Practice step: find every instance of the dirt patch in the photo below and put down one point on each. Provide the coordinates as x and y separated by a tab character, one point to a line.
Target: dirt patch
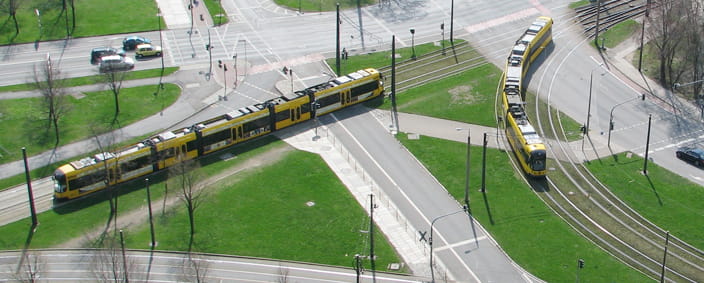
462	94
138	216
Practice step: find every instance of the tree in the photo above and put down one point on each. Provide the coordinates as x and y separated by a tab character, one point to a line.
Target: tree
186	176
666	34
53	104
194	268
29	268
109	264
106	145
114	81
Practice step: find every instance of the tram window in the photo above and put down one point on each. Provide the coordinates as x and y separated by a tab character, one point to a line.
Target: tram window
365	88
216	137
191	145
329	100
283	115
256	124
305	108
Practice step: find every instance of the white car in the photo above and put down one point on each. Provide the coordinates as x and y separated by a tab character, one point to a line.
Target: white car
114	63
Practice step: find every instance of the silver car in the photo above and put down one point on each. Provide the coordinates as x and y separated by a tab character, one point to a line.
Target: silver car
115	63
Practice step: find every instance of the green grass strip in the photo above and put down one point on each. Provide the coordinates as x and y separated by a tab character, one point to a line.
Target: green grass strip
666	199
529	232
24	126
96	79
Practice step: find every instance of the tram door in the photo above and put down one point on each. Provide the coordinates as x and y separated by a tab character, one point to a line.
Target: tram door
295	114
237	134
345	97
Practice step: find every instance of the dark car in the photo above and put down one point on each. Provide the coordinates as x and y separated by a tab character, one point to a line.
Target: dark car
691	154
100	52
131	42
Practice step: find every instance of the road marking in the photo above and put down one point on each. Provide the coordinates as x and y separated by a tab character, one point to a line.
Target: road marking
408	199
501	20
288	63
465	242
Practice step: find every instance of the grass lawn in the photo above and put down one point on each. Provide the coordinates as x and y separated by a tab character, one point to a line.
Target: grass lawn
618	33
383	58
320	5
94	17
465	97
668	200
531	234
24	123
217	13
96	79
267	212
239	217
76	218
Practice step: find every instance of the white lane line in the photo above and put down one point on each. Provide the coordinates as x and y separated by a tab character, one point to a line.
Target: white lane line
408	199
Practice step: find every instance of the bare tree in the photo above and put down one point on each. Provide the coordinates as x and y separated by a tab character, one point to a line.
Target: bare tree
283	274
29	268
105	139
49	82
194	268
665	33
109	264
114	80
186	178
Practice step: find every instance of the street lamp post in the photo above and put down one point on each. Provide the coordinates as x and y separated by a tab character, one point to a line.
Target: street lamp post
413	46
442	28
611	116
39	22
589	105
222	65
430	240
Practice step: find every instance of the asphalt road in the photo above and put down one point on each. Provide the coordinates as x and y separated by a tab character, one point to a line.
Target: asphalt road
85	265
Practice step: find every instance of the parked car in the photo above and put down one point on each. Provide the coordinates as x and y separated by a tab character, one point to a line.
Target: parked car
131	42
114	63
144	50
691	154
100	52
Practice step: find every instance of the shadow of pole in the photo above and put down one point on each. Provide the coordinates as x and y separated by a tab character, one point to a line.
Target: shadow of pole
652	187
488	208
27	242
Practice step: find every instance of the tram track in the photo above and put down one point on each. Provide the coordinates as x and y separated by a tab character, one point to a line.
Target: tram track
411	73
588	205
575	194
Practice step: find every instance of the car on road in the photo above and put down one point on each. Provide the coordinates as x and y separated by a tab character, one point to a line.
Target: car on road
115	63
99	52
131	42
691	154
144	50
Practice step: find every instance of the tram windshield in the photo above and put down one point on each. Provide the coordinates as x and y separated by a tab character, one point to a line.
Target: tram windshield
537	160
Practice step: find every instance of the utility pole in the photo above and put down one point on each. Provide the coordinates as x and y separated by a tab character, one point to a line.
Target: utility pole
484	164
664	257
394	122
647	146
596	31
124	256
151	219
337	42
466	179
371	237
32	210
